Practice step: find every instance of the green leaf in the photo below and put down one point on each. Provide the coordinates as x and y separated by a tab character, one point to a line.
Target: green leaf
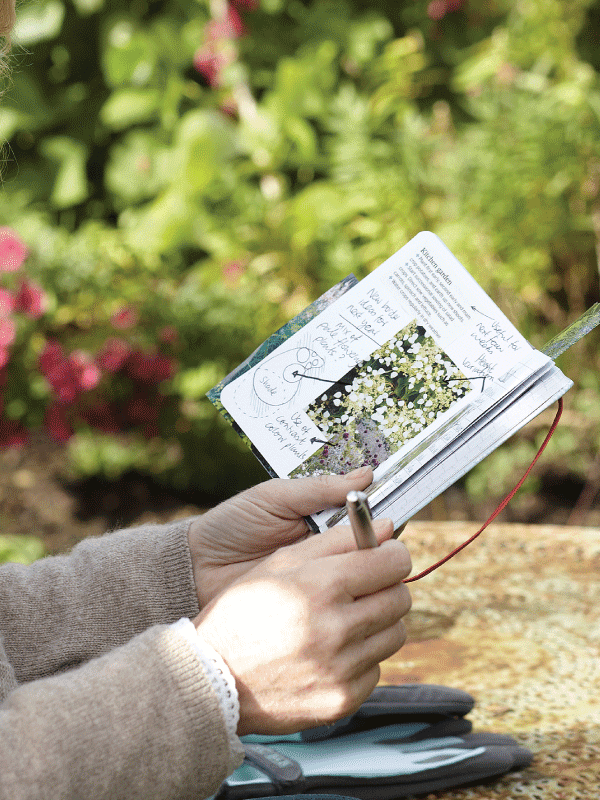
194	383
130	55
126	107
38	22
70	185
139	167
86	7
204	142
162	225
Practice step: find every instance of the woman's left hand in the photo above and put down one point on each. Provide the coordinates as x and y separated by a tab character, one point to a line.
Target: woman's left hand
234	536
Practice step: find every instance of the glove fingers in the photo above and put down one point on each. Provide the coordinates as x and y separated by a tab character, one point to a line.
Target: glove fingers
522	757
421	698
426	702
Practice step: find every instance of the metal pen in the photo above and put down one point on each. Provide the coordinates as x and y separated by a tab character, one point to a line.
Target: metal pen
359	514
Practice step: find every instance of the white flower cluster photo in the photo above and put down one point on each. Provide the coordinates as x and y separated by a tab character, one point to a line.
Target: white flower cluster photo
383	402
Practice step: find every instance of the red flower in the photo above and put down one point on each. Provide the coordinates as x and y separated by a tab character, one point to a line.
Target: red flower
57	424
30	299
52	355
4	356
114	354
59	372
102	415
164	368
125	318
13	251
150	367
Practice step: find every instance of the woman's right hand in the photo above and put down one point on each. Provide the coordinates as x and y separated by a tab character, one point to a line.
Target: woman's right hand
303	632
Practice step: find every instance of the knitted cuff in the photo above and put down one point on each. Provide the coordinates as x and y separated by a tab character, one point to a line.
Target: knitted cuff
219	675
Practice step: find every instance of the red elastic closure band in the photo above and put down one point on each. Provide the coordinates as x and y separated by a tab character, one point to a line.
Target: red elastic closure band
502	505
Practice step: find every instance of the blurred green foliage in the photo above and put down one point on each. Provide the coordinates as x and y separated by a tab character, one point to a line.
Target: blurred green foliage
20	549
216	180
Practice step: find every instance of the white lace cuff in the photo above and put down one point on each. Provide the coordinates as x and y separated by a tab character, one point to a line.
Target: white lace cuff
219	675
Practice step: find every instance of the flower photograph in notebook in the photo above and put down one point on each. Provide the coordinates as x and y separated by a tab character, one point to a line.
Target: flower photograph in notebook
383	402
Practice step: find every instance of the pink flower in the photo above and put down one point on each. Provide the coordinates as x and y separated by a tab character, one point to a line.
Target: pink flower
114	354
30	299
229	26
7	302
210	61
125	318
86	371
57	424
4	356
13	251
8	332
59	372
218	51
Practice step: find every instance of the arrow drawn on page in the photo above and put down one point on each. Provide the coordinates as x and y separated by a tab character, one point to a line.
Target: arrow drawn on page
481	312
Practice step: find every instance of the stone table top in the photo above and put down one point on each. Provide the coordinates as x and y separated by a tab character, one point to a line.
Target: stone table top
514	619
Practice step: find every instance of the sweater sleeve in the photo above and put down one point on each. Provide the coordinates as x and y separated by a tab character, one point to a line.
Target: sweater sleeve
65	610
141	721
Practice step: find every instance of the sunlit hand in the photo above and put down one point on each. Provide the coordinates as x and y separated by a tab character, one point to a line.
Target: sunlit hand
303	632
234	536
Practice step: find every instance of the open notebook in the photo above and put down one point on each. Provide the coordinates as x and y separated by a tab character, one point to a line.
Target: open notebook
413	370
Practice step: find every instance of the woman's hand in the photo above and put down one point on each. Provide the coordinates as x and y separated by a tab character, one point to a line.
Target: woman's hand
303	632
234	536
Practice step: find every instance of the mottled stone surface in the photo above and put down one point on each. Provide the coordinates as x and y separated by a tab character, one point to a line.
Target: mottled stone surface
515	620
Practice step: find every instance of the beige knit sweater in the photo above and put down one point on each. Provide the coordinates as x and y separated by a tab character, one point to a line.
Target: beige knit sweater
100	698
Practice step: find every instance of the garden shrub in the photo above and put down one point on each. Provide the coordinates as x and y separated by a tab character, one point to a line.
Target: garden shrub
183	176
